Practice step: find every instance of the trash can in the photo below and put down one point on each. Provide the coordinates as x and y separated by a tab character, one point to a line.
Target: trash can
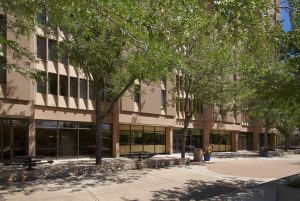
198	155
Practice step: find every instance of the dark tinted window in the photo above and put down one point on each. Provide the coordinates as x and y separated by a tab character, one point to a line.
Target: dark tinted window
2	26
63	55
52	53
83	88
73	87
2	71
63	88
41	83
41	48
52	83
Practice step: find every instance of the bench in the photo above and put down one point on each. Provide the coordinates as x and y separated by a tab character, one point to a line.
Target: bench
28	161
140	155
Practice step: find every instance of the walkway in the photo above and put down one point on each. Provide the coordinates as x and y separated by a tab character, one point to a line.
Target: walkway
195	182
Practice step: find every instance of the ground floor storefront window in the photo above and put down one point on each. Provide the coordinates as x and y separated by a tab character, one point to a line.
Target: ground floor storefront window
221	140
71	139
261	139
13	138
245	141
194	139
142	138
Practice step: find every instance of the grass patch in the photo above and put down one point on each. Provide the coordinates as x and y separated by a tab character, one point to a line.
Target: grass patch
295	184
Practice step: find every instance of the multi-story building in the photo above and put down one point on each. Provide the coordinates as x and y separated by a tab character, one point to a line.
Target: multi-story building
56	117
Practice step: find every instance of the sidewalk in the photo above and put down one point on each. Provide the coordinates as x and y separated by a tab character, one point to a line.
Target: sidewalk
200	181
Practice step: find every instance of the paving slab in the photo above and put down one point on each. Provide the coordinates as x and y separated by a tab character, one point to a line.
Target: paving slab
195	182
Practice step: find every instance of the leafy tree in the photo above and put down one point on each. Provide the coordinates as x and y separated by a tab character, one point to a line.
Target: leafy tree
113	42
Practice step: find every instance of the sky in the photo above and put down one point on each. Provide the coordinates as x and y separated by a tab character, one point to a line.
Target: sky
285	17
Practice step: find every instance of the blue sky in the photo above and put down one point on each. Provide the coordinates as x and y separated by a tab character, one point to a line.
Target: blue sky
286	24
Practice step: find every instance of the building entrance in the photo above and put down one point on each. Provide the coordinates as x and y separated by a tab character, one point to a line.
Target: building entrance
194	139
13	138
245	141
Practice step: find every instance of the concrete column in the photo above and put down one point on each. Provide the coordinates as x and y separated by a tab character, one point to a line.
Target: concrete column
31	137
234	140
206	136
255	141
273	141
169	140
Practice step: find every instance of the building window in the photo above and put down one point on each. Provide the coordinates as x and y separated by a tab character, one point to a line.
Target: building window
2	33
73	87
52	83
41	17
41	83
2	71
163	98
124	137
91	90
199	107
83	88
63	58
41	48
52	53
63	87
136	93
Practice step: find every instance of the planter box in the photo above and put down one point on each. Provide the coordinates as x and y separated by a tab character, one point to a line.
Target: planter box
206	157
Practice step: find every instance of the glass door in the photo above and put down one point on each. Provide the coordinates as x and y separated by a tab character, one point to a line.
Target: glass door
13	138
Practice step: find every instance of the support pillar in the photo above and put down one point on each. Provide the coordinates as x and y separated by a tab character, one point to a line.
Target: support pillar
31	137
255	141
169	140
234	140
206	136
273	141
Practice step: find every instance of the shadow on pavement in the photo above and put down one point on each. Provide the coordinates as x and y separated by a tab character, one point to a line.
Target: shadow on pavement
73	183
235	155
201	190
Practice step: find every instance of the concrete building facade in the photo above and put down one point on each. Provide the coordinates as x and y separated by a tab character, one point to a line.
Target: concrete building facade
56	117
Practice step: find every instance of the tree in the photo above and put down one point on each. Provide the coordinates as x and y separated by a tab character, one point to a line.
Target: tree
257	35
203	60
113	42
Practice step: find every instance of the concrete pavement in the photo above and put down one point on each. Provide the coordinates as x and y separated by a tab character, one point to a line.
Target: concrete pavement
195	182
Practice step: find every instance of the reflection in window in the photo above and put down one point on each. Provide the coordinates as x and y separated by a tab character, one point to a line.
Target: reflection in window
2	34
41	17
83	88
46	141
124	137
136	137
74	87
52	53
160	138
63	88
148	138
41	48
87	143
41	83
52	83
2	71
68	143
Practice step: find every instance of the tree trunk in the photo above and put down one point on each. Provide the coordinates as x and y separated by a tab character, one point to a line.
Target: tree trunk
286	147
98	127
266	136
186	123
183	137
